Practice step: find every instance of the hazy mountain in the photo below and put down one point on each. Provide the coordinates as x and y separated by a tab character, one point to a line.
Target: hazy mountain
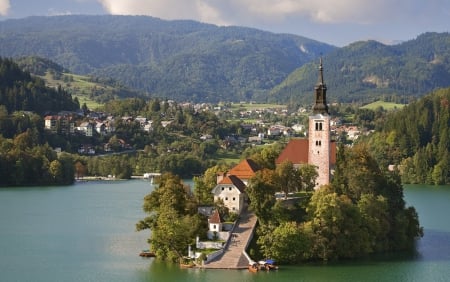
187	60
368	70
183	60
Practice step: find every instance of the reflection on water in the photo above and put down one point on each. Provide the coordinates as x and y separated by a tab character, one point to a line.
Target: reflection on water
435	246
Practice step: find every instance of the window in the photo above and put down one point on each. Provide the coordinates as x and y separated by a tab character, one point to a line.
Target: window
229	188
226	198
223	188
214	227
234	199
319	126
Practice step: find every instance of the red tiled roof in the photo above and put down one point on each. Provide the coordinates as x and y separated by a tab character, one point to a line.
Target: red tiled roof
297	151
215	217
236	181
245	169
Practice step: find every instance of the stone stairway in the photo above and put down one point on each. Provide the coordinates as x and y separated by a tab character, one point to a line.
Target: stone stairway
233	257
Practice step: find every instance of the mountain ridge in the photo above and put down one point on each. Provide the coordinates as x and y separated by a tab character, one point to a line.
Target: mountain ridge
185	60
366	71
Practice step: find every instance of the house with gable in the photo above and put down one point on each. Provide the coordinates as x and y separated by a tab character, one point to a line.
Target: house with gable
231	190
215	223
231	185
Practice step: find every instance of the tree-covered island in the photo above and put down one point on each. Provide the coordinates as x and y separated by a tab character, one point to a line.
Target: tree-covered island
362	212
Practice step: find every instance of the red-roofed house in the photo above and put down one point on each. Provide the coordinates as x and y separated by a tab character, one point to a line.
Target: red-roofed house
215	222
231	191
245	170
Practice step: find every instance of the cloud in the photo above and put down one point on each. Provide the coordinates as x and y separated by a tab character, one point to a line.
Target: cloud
168	9
4	7
55	12
238	11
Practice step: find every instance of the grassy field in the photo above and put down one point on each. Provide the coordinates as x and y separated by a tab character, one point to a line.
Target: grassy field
227	157
254	106
386	105
79	86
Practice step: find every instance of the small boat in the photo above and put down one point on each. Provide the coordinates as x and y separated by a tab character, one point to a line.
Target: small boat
187	265
268	264
253	267
147	254
186	262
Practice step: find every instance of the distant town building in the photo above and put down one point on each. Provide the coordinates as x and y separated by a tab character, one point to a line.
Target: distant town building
63	124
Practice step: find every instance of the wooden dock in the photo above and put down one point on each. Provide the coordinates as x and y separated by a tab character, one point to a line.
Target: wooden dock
233	256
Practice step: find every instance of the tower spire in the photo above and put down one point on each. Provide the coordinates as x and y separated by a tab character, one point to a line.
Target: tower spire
320	72
320	104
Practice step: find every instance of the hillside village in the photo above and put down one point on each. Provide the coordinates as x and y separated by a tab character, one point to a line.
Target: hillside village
93	123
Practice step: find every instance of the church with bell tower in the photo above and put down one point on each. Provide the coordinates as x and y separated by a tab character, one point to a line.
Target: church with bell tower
318	150
319	132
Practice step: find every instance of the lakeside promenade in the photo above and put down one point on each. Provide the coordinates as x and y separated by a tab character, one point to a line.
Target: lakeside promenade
233	256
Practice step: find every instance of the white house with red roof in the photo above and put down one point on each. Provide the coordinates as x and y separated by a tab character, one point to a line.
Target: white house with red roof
231	190
215	222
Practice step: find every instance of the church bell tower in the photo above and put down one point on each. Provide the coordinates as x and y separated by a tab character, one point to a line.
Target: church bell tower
319	135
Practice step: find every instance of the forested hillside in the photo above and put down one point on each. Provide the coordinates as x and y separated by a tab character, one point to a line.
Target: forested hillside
368	70
25	156
85	88
182	60
418	139
19	91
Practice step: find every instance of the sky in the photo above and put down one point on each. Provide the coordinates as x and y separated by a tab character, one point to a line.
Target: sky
337	22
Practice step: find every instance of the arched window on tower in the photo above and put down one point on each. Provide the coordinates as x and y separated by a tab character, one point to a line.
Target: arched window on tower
319	126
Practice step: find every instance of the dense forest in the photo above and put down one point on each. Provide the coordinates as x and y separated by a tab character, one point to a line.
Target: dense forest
24	162
181	60
22	92
417	138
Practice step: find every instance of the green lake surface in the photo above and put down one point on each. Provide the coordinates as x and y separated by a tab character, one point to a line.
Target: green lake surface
86	232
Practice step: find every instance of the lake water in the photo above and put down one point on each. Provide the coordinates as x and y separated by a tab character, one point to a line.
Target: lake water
85	232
